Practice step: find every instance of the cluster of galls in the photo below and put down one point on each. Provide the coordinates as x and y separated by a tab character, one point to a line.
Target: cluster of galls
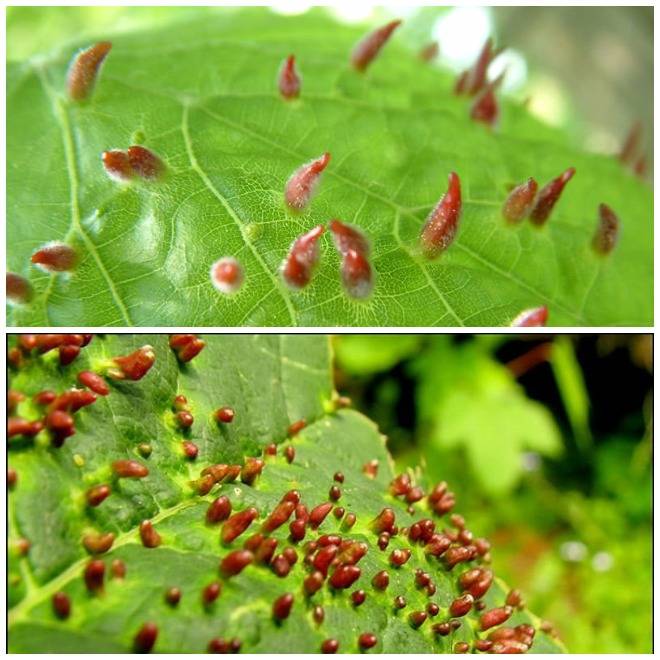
330	560
57	417
222	472
56	411
303	257
474	82
67	346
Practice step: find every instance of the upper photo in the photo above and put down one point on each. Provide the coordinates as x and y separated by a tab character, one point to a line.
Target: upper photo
329	166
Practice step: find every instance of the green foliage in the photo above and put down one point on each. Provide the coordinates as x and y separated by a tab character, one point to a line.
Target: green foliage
367	354
198	88
472	402
270	382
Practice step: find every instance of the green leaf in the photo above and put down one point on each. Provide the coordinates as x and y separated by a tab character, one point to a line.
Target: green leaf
270	381
471	402
366	354
199	90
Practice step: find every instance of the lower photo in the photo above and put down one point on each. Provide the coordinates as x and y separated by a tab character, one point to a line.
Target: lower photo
313	493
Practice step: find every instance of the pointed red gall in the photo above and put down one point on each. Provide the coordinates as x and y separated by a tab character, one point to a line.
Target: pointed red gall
442	223
224	415
640	166
297	529
366	50
84	68
280	514
370	468
94	382
145	638
475	77
531	318
461	83
251	470
211	593
186	347
330	646
344	576
631	144
55	257
265	551
282	606
461	605
367	640
357	275
218	510
184	419
429	52
520	201
237	524
301	185
133	366
129	469
485	108
96	494
495	617
289	453
117	165
97	544
18	289
61	426
149	536
18	426
68	353
548	197
318	514
288	80
94	574
235	562
607	232
61	605
296	427
145	163
347	237
303	256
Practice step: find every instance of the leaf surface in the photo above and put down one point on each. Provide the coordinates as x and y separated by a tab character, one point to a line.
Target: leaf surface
271	382
200	92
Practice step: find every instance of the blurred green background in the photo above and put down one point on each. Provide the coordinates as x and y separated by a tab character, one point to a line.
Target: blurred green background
587	69
546	441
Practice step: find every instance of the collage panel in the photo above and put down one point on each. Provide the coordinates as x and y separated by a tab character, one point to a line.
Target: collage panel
309	493
234	166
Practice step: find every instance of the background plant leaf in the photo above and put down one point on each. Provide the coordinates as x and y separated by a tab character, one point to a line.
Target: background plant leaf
199	89
474	404
270	381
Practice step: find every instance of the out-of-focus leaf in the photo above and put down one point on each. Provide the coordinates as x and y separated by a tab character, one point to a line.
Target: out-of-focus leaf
366	354
473	403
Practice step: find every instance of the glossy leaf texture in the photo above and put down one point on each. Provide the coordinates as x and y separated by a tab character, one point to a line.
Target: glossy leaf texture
271	382
201	93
